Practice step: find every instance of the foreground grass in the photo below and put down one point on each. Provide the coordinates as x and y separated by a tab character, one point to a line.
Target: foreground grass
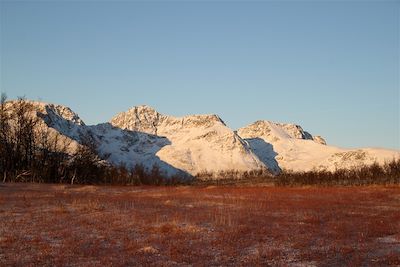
58	225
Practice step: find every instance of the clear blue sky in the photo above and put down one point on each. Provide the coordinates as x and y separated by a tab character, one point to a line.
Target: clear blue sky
332	67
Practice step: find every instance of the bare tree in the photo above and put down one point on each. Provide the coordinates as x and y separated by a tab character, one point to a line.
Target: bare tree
5	136
24	121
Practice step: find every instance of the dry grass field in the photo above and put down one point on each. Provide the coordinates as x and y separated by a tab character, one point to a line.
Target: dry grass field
61	225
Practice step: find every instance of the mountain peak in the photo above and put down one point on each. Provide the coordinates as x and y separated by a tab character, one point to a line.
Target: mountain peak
146	119
279	131
140	118
53	112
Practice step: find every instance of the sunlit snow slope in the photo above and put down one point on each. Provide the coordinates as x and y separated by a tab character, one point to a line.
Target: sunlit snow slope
198	143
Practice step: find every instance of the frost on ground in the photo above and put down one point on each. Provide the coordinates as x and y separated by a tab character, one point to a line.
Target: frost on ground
58	225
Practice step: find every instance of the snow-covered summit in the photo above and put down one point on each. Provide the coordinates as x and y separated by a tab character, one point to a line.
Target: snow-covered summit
279	131
52	111
140	118
146	119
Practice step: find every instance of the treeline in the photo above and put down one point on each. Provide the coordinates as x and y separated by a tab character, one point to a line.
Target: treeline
32	152
375	174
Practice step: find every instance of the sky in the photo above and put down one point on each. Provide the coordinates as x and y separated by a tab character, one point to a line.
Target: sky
330	66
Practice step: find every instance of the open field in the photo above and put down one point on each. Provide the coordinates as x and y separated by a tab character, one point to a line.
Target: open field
61	225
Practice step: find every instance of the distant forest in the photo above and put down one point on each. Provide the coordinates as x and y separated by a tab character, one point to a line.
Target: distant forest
30	153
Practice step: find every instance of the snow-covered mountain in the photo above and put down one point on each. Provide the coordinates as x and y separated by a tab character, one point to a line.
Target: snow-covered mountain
185	146
295	149
196	144
115	145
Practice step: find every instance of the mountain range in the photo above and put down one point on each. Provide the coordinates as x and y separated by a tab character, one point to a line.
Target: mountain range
198	144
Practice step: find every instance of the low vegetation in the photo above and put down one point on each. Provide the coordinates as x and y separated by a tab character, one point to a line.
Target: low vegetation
73	225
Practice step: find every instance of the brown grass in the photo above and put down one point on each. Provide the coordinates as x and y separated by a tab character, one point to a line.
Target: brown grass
58	225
